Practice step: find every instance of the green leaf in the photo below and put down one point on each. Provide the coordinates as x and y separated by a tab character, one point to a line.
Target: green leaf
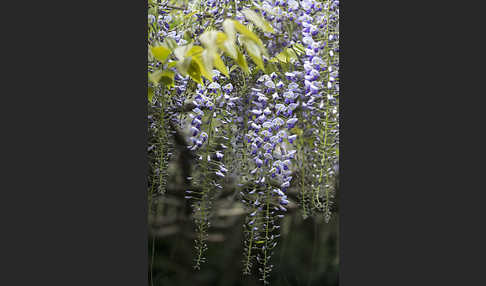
211	39
291	55
259	21
204	59
194	51
188	36
244	31
221	38
227	42
230	49
195	72
171	64
150	94
205	62
282	57
162	76
272	68
299	49
168	78
181	51
219	64
229	29
241	61
288	55
155	76
190	65
161	53
183	65
254	52
176	21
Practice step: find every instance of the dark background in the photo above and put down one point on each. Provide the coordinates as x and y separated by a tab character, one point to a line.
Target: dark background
307	255
73	109
307	251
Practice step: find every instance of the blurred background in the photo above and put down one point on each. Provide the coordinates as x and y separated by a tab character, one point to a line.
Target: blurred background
306	254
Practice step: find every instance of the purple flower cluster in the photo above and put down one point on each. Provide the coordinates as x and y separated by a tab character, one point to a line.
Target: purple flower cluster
269	133
255	128
210	101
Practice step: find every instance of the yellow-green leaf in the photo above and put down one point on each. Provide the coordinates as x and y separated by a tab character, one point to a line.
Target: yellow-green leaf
155	76
221	38
162	76
229	29
183	65
219	64
161	53
241	61
244	31
299	48
282	57
271	68
167	78
150	94
194	51
194	72
259	21
204	59
171	64
212	39
291	55
188	36
181	51
229	47
254	52
205	62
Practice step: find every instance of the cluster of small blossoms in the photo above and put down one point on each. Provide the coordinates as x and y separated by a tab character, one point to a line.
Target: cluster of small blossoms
273	118
313	63
209	13
313	86
213	105
216	8
321	68
260	122
271	149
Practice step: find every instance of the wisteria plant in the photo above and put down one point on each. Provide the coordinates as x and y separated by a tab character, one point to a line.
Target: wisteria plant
251	90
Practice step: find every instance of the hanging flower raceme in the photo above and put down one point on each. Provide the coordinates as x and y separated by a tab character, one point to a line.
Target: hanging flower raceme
272	152
209	139
319	103
266	132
